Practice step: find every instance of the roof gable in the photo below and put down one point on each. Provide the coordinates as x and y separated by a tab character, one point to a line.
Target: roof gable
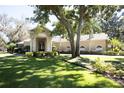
40	29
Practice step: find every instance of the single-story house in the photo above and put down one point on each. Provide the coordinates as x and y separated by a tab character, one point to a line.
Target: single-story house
43	41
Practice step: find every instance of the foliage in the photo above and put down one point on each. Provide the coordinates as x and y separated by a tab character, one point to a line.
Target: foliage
59	30
16	30
91	26
120	73
10	47
54	48
114	26
110	52
43	54
2	42
29	54
38	29
5	23
20	31
121	53
116	45
72	18
103	67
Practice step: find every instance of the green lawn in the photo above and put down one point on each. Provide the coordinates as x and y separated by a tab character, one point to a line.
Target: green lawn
18	71
117	61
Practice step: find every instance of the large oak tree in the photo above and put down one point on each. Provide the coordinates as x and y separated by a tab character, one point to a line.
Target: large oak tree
73	19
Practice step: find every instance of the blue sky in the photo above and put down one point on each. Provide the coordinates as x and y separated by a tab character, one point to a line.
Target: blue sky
24	11
17	11
21	12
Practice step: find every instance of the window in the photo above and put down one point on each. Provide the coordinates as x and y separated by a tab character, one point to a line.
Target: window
99	48
82	48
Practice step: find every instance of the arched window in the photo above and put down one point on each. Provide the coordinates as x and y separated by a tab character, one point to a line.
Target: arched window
82	48
99	48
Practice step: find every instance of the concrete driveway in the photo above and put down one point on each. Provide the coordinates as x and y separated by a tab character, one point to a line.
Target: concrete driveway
95	56
5	55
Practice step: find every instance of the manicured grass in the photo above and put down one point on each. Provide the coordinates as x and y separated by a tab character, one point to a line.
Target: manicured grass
18	71
117	61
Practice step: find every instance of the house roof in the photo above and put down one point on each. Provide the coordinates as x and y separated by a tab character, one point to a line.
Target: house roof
98	36
22	42
58	39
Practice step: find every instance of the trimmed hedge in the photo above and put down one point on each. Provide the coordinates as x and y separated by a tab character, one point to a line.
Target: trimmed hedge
41	54
29	54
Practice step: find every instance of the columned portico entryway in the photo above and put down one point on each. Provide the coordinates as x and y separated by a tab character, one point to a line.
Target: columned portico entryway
41	41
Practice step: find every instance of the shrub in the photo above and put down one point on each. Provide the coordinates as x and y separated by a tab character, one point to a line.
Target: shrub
10	47
41	54
55	53
103	67
111	53
51	54
120	73
54	48
29	54
115	43
45	54
121	53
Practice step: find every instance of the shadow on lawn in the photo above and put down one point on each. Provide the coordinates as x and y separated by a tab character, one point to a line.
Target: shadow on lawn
17	71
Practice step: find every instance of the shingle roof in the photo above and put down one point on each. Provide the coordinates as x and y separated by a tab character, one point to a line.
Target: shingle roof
99	36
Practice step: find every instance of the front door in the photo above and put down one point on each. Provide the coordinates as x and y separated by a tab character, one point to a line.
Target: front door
41	44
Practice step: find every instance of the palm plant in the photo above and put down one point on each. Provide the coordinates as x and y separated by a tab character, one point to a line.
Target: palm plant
91	26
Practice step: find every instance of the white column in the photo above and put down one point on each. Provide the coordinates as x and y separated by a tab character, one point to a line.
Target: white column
31	45
49	44
34	44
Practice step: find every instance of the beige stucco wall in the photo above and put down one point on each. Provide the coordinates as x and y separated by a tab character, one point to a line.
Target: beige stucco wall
62	46
90	45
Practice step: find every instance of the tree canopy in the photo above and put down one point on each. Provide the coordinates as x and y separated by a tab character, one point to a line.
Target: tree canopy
73	19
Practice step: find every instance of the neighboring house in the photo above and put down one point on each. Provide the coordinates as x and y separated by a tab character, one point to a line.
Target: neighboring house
43	41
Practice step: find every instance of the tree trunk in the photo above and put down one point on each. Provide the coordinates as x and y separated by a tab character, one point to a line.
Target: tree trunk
72	43
80	25
70	32
81	22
